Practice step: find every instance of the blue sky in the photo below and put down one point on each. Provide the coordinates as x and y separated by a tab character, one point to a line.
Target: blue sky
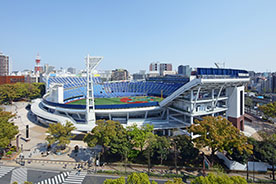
132	34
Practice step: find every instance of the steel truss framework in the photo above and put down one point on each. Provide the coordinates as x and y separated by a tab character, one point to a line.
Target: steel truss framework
91	63
216	101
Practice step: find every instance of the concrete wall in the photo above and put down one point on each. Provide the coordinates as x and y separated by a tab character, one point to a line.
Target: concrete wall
234	113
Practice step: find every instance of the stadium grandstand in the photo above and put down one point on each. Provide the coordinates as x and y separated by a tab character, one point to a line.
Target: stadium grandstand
168	103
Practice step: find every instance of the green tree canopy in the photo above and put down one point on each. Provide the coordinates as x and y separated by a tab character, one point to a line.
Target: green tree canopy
219	179
7	93
219	134
151	141
265	150
162	147
109	134
139	135
175	181
186	148
18	91
269	109
60	134
120	180
8	130
138	178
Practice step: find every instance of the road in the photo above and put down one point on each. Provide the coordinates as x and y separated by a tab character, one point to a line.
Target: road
11	174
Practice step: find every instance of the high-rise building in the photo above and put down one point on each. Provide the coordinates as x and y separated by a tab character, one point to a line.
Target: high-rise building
105	75
48	68
274	83
184	70
4	64
72	70
157	67
119	74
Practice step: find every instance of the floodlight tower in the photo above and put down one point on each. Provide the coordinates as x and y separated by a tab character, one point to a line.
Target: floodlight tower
91	63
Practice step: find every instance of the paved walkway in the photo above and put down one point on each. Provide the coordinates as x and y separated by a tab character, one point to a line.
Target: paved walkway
37	134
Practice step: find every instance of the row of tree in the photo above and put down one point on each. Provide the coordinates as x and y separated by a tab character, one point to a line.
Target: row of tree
142	178
8	130
132	142
216	133
19	91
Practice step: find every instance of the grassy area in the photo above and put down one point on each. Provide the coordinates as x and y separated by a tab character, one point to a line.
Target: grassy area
111	101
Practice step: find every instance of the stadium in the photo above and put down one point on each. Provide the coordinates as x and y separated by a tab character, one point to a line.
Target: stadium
168	103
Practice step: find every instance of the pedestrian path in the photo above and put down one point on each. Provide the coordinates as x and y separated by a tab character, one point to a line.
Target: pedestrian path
75	177
55	180
5	170
19	175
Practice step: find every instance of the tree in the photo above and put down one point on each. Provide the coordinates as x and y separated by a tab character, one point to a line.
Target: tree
60	134
18	91
138	178
185	147
175	181
162	148
41	87
269	109
149	151
120	180
219	135
7	93
110	135
219	179
139	135
266	150
8	130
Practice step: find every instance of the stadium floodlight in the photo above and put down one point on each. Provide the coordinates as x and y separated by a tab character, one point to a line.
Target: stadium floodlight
91	64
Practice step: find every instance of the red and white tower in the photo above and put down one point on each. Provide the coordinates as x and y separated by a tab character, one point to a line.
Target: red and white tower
38	67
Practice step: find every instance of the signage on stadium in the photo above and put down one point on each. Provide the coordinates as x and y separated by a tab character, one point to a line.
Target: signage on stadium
243	74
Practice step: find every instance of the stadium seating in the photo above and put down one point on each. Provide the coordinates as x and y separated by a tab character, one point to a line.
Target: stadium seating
75	87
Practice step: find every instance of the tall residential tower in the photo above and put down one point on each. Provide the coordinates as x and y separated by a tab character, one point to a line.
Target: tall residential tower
4	64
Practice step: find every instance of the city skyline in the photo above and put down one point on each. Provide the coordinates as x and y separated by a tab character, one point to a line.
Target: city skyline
131	35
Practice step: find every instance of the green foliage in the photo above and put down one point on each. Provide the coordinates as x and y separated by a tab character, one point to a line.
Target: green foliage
111	135
41	87
139	135
61	134
138	178
151	141
266	150
248	102
18	91
162	147
103	133
8	130
185	147
219	179
220	135
175	181
120	180
269	109
7	93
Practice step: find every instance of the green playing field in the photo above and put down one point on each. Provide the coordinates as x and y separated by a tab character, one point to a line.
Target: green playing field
117	100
